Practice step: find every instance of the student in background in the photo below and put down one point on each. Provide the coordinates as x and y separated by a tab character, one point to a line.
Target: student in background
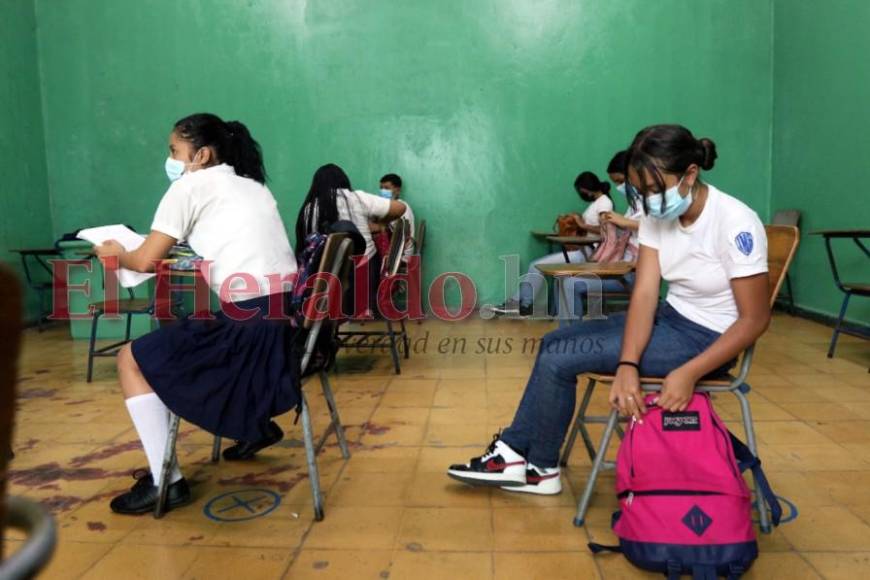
331	198
712	250
391	188
591	190
630	221
227	376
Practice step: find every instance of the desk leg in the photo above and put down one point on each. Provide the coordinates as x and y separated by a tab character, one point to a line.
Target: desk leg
562	292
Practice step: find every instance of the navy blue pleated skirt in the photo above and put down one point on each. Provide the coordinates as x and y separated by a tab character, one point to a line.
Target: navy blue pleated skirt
227	376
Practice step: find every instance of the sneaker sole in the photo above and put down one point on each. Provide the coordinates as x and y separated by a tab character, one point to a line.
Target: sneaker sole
533	489
485	480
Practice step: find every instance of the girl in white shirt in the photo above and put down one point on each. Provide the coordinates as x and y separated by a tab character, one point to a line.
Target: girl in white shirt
591	190
331	198
710	248
225	374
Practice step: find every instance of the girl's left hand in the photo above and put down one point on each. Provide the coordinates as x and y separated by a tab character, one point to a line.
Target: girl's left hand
677	390
110	248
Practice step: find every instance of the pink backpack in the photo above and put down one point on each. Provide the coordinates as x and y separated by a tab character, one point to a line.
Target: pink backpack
613	243
685	508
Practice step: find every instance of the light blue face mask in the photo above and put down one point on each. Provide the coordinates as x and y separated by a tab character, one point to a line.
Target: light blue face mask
621	188
386	193
670	206
174	169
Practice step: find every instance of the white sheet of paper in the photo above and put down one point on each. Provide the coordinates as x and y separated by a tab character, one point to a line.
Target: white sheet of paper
127	238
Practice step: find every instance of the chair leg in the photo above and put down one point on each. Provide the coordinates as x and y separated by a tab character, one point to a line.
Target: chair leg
129	325
92	343
405	340
311	457
168	462
575	427
583	505
839	324
333	412
749	429
394	351
216	449
790	294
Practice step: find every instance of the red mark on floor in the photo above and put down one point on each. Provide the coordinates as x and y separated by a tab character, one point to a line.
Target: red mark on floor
97	526
265	479
82	402
374	429
37	393
105	452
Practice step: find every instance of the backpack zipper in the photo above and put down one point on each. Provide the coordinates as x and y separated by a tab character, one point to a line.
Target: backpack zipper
629	495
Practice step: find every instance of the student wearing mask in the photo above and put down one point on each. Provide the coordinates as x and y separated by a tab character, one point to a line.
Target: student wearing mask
596	194
712	250
629	221
391	188
331	198
227	376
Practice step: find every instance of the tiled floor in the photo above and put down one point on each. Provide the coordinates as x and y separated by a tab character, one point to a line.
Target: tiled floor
391	512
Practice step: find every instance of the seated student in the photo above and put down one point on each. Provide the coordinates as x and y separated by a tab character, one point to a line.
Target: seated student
712	250
227	376
591	190
630	221
391	188
331	198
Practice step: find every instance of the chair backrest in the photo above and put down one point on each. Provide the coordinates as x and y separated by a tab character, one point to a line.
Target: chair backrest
10	330
397	247
787	217
421	237
335	260
782	241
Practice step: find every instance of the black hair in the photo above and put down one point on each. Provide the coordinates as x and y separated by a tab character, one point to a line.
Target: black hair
617	164
590	182
320	209
231	140
392	178
668	148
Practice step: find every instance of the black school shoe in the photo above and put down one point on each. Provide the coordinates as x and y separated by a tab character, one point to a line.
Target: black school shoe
243	450
500	466
142	497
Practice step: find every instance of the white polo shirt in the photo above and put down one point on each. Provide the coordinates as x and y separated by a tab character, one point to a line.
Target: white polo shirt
361	208
590	214
727	241
233	222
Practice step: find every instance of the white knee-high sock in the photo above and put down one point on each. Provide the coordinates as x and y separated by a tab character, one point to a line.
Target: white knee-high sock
151	418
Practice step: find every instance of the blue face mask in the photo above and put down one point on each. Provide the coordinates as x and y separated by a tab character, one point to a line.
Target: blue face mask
621	188
174	169
386	193
669	206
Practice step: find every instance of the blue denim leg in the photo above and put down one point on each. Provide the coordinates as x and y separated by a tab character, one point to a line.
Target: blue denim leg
547	407
581	290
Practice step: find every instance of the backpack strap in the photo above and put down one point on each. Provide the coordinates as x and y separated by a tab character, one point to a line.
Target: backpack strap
675	570
598	548
704	572
747	460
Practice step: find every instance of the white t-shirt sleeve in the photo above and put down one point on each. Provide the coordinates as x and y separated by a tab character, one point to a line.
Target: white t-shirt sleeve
590	215
374	206
648	233
744	246
174	215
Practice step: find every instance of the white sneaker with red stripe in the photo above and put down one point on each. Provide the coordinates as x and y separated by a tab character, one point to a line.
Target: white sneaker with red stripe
500	466
540	480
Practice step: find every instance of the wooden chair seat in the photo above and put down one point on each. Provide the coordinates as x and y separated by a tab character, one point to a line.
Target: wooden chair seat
724	382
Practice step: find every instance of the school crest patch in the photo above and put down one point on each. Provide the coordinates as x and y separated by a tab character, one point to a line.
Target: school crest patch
744	243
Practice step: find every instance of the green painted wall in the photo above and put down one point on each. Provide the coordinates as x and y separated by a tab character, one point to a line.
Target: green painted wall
821	139
488	108
25	217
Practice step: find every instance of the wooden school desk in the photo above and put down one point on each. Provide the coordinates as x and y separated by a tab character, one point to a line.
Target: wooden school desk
560	273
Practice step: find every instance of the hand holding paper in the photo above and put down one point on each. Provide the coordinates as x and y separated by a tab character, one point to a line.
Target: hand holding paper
128	239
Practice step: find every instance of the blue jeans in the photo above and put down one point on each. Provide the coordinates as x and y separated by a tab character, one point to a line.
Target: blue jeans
547	406
581	289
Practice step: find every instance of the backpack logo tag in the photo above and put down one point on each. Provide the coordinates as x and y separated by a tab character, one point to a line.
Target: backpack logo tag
697	521
685	421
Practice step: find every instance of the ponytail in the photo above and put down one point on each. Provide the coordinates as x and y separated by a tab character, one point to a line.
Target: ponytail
231	141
